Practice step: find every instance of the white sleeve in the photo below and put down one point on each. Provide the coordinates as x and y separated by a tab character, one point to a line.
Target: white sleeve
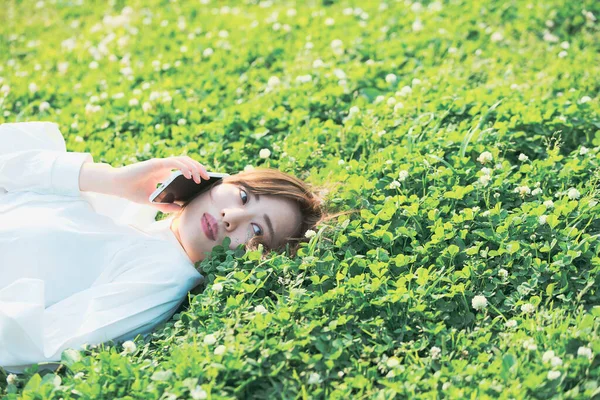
137	300
33	158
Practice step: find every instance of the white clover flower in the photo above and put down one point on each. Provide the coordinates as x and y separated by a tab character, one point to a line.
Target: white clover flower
527	308
476	209
390	78
402	175
318	63
248	168
549	204
565	45
398	106
133	102
353	110
11	379
592	203
536	191
273	82
583	150
336	44
484	180
585	352
485	157
522	190
310	233
573	194
486	171
435	352
198	393
44	105
181	121
391	101
486	213
479	302
381	132
217	287
523	157
556	361
147	106
416	7
394	185
210	339
314	378
33	87
446	385
78	375
552	375
369	62
585	99
93	65
405	91
562	54
502	273
417	26
291	12
511	323
547	356
264	153
220	350
416	81
392	362
339	73
497	37
79	139
542	219
207	52
329	21
529	345
260	309
549	37
379	99
389	162
129	346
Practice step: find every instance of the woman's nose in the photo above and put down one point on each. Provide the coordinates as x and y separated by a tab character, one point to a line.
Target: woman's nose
232	218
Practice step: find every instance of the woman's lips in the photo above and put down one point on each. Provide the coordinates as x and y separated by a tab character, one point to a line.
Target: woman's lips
209	226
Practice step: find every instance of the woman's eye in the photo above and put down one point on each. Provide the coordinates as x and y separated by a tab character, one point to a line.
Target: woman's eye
244	197
260	232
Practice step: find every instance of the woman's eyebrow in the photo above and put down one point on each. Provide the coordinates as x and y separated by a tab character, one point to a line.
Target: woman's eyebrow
267	220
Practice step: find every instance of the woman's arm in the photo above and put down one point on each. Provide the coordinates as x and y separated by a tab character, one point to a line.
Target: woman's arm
98	177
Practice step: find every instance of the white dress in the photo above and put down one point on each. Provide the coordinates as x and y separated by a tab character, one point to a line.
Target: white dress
76	267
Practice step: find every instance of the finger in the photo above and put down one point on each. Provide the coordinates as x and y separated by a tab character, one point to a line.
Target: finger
200	167
192	165
168	208
173	162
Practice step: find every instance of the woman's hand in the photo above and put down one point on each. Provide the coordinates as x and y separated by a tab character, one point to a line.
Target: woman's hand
138	181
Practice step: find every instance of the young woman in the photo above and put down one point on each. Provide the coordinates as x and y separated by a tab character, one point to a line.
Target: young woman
82	259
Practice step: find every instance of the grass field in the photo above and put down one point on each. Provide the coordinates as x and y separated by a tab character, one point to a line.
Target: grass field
466	132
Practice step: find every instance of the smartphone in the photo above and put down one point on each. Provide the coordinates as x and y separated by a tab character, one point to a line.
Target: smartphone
178	188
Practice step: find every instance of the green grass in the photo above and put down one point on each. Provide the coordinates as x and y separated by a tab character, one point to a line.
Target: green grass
380	303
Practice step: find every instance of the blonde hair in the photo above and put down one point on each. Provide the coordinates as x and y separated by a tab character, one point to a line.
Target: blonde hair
268	181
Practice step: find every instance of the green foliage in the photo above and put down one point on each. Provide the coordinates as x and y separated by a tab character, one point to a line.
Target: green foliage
382	304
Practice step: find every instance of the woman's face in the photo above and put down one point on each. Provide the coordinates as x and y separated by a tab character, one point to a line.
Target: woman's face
233	211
